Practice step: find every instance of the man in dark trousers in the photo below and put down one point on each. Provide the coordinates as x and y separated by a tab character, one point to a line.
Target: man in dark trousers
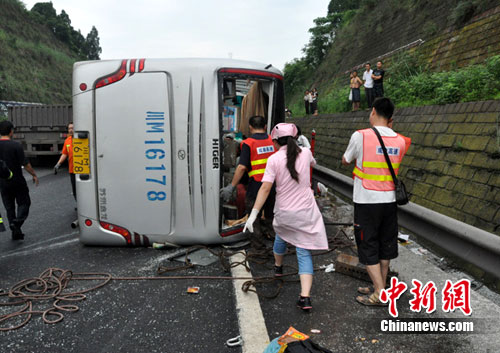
375	208
255	151
378	80
15	190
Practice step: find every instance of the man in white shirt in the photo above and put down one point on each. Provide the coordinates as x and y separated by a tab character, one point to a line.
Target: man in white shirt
375	208
368	83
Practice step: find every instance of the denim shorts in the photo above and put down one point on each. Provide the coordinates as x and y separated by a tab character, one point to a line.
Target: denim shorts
304	257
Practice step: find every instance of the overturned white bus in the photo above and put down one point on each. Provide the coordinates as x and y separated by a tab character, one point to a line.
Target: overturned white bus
148	146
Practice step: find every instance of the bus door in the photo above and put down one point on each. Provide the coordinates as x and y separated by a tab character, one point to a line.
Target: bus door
133	153
235	85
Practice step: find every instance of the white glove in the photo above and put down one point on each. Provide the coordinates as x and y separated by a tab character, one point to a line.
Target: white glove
227	192
56	168
250	220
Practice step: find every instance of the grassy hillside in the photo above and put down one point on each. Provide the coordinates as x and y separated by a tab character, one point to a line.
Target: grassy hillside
34	65
454	37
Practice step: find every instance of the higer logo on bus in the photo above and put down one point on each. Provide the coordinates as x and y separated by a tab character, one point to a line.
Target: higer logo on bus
215	153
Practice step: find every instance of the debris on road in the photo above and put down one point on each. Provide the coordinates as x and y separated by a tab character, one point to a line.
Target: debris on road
329	268
235	341
403	237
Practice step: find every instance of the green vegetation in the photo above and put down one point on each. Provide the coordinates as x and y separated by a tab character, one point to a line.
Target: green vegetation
38	49
60	25
340	12
409	84
472	83
356	31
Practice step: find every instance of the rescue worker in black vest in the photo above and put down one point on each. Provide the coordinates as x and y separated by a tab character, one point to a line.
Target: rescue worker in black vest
255	151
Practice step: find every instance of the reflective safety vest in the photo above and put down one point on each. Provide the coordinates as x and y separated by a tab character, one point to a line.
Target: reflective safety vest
375	172
260	151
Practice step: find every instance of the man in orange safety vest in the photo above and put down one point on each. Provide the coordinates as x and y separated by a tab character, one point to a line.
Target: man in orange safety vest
375	208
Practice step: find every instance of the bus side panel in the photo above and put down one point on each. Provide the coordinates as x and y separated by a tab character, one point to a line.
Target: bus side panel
196	159
134	150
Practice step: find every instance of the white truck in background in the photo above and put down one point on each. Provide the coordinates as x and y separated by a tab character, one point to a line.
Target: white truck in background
41	129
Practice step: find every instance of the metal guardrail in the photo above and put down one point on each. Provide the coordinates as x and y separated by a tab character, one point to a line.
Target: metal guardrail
469	243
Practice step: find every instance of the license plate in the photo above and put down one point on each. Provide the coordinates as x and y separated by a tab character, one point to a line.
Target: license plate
81	159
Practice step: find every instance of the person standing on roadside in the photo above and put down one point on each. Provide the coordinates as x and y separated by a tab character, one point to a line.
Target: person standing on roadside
314	103
67	153
356	94
374	197
378	80
368	83
307	98
297	219
15	190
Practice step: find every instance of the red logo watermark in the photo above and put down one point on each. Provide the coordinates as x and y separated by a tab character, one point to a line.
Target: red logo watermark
454	296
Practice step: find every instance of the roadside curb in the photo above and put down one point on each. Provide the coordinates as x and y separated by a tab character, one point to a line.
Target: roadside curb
253	328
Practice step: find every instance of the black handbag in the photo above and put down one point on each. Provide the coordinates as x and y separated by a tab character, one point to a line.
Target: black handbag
401	193
305	346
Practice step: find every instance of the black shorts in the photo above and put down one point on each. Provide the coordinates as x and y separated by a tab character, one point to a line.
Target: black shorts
376	232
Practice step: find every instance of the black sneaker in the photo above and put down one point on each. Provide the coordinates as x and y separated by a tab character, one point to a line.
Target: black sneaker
304	303
17	235
278	271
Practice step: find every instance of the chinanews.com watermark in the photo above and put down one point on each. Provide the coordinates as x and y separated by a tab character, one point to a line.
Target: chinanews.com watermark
455	297
427	326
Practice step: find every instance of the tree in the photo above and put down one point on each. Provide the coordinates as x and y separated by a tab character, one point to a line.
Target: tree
92	45
47	13
340	6
63	28
321	38
322	35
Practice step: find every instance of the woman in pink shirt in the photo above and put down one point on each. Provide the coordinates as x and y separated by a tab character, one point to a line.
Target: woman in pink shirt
297	219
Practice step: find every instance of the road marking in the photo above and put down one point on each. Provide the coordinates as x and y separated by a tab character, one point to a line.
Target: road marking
253	328
38	249
51	240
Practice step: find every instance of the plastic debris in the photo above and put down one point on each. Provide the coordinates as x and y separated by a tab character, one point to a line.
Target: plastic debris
419	251
193	290
403	237
235	341
374	341
313	330
330	268
362	339
159	245
321	189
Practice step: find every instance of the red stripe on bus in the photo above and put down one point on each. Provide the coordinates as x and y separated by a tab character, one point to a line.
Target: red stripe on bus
141	64
231	232
132	66
113	77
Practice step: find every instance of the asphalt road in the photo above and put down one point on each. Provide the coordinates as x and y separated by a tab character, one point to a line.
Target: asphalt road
160	316
122	316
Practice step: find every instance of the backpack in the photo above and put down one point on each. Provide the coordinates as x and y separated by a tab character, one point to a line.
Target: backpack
305	346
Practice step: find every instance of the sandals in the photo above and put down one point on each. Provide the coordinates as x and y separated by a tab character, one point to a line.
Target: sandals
366	290
370	300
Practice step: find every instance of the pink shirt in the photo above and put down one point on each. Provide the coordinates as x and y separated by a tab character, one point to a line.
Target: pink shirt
297	219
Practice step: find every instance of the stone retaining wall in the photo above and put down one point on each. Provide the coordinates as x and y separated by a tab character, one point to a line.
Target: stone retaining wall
452	166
